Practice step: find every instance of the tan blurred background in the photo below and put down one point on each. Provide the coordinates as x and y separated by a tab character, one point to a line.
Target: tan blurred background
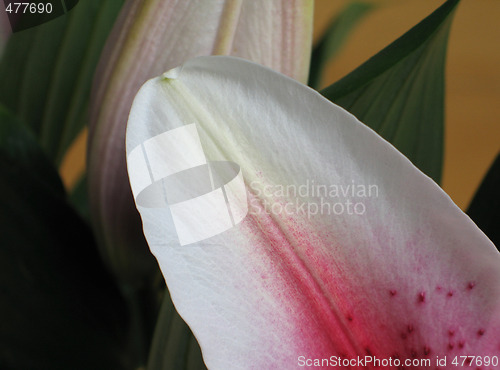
473	81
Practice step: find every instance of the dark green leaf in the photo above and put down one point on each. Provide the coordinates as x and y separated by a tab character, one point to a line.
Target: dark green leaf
59	307
18	141
485	207
174	346
400	91
79	198
144	303
46	72
334	38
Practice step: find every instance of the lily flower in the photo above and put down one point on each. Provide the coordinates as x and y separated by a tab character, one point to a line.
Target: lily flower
291	235
153	36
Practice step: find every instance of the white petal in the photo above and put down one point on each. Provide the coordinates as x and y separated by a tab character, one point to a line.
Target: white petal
401	272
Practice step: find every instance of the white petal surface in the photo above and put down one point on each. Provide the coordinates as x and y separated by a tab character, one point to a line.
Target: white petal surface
347	249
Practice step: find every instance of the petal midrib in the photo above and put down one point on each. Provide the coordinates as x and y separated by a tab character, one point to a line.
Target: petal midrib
285	247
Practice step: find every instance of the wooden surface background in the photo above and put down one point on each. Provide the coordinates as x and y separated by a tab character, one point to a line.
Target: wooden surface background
472	85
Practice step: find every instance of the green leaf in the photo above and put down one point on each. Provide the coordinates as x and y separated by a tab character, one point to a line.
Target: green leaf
400	91
18	141
485	207
59	307
79	198
47	72
174	347
334	38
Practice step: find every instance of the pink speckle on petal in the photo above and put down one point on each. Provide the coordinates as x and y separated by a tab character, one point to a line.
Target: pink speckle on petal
421	297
